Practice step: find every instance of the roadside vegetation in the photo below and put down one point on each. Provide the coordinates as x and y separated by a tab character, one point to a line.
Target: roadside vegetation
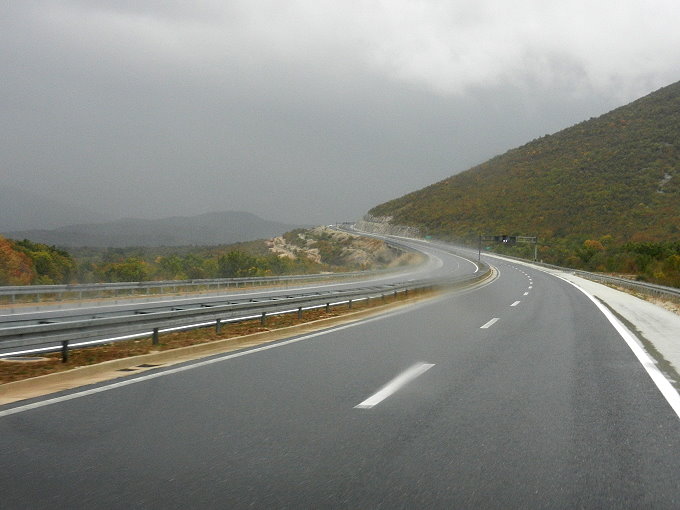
654	262
602	195
26	263
296	252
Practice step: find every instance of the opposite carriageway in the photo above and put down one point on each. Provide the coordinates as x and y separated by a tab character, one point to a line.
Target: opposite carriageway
58	329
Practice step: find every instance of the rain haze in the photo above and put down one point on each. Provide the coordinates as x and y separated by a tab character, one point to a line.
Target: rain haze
302	111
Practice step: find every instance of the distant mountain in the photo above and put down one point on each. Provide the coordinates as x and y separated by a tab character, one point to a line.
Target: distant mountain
615	177
205	229
24	210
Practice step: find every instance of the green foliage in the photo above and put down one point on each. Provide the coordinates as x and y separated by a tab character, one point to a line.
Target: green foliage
16	268
656	262
618	174
236	264
615	177
50	264
132	269
296	237
24	262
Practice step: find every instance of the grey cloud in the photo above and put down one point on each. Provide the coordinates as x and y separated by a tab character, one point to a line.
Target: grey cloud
309	112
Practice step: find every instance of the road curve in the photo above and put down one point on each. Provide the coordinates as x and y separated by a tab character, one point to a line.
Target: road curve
517	394
439	262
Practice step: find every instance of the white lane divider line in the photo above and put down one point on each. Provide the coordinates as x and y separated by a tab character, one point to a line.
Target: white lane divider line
526	293
529	287
490	323
199	364
515	303
395	384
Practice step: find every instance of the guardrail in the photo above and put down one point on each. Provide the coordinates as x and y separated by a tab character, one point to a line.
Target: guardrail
55	336
9	294
651	289
79	291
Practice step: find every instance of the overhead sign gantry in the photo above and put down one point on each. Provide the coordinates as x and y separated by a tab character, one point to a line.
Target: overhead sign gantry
508	241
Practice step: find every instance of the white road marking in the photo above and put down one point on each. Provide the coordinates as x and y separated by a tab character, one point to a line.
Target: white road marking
526	293
210	361
490	323
515	303
663	384
529	287
395	384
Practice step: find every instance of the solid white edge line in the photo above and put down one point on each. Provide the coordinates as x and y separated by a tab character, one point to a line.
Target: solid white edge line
515	303
394	385
490	323
664	385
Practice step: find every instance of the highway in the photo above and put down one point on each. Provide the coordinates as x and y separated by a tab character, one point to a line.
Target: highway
432	267
516	394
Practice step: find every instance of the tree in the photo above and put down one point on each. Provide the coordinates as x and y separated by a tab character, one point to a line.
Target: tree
132	269
51	264
16	268
236	264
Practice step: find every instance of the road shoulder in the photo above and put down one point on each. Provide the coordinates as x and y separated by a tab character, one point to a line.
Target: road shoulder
657	329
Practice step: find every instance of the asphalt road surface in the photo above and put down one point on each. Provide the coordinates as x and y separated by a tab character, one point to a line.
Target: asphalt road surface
518	394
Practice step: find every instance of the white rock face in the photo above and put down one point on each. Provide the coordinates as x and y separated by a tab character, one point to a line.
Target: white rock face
340	249
382	225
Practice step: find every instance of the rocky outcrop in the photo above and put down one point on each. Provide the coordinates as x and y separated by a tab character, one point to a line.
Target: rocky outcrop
382	225
339	249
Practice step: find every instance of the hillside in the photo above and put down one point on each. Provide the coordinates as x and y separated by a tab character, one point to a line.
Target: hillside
205	229
615	177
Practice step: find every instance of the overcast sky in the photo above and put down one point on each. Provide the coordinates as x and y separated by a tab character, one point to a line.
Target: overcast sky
302	110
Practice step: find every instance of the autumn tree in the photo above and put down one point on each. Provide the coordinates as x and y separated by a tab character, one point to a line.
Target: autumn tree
16	268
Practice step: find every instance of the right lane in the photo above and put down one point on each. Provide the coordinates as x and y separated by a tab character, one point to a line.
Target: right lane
547	407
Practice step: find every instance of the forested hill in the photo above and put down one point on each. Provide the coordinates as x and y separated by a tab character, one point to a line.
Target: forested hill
615	177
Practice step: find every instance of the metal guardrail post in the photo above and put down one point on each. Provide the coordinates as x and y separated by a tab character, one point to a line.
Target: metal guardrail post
218	326
64	351
299	313
140	322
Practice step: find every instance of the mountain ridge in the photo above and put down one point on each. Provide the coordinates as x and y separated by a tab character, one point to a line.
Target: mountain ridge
220	227
616	176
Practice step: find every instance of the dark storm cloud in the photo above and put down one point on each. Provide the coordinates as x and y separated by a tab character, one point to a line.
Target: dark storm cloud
302	111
